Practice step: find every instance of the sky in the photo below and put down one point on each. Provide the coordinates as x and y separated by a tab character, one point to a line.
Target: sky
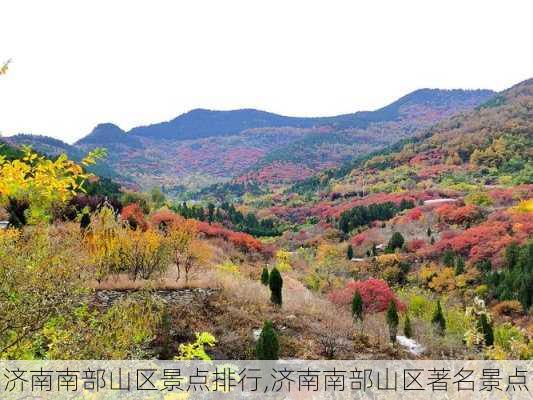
76	64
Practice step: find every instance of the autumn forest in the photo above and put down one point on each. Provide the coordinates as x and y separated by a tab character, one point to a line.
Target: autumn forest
400	233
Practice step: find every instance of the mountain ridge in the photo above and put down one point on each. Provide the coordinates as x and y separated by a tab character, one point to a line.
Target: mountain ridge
204	146
222	122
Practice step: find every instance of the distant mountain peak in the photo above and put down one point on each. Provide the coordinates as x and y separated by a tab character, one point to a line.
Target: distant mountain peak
108	134
108	128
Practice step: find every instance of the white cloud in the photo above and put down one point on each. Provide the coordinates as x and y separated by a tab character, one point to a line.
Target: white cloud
76	64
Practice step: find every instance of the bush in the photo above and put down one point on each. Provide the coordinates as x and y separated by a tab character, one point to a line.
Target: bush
133	215
196	350
123	331
267	347
42	270
511	308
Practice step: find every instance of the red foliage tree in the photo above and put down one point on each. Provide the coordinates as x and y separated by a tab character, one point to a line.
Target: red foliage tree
415	214
451	214
376	295
358	239
133	214
165	218
415	245
487	240
239	239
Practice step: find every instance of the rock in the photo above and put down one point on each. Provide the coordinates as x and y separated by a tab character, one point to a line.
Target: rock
106	298
256	333
411	345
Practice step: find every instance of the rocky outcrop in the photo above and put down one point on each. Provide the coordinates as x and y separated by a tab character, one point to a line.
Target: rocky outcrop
105	297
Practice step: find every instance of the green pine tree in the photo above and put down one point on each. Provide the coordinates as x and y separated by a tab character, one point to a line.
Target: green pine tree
85	221
512	253
407	328
396	241
357	307
459	265
276	284
349	252
429	233
448	258
392	320
438	320
265	276
486	330
267	347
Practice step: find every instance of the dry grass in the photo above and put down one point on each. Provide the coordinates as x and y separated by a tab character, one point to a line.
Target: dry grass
205	278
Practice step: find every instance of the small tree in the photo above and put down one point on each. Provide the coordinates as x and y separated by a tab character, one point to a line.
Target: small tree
511	255
392	320
429	233
485	328
448	258
276	284
267	347
265	276
438	320
459	265
349	252
396	241
85	221
407	328
357	307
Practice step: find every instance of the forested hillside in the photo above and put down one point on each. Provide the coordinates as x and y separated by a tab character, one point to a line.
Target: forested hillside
203	147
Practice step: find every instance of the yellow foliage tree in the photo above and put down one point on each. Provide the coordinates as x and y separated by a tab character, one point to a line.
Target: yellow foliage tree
180	235
4	68
525	206
103	243
444	280
115	247
283	260
42	182
143	253
330	258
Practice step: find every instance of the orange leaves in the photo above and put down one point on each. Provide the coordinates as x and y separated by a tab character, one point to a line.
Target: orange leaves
239	239
133	214
164	219
487	240
451	214
415	214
